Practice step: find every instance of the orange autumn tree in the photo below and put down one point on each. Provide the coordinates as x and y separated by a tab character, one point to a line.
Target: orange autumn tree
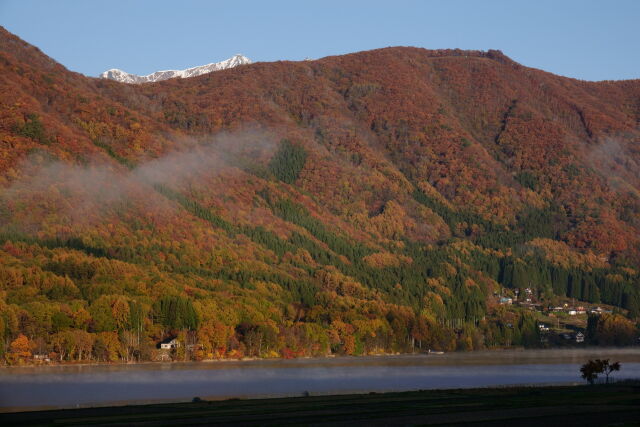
19	349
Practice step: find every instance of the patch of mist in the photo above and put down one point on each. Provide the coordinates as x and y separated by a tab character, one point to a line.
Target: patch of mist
56	195
616	165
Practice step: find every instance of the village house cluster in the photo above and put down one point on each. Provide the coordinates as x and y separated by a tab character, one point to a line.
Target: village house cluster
527	299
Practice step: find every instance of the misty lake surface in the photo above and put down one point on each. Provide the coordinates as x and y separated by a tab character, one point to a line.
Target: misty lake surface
42	387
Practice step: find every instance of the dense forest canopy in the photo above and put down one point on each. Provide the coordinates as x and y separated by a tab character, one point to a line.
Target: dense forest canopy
394	200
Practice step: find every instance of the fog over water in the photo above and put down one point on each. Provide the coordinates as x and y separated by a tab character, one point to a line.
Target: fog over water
93	385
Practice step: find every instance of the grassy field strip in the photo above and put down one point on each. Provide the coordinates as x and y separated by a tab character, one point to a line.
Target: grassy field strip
588	405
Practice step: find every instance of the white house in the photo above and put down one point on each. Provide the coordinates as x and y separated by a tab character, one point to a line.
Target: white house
579	337
169	345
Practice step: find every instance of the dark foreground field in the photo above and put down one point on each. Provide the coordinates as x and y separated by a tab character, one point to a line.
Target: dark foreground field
599	405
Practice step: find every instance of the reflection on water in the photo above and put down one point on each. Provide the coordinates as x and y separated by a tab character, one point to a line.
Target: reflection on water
70	386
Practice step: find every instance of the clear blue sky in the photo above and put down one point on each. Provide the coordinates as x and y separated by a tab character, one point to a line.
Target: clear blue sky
592	40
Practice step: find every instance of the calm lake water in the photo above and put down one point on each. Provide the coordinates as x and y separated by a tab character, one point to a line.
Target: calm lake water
73	386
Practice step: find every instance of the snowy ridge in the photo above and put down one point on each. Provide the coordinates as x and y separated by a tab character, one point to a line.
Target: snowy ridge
124	77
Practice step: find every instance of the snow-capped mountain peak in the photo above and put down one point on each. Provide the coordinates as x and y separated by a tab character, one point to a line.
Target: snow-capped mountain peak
124	77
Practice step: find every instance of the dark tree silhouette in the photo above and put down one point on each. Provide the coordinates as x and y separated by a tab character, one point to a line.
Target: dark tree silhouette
609	368
592	368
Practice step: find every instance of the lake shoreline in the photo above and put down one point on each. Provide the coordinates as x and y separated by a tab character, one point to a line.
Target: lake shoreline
517	350
69	386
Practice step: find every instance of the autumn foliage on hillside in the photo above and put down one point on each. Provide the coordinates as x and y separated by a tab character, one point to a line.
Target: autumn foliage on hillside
356	204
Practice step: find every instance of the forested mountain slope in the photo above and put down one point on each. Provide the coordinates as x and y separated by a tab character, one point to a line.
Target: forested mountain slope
369	202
